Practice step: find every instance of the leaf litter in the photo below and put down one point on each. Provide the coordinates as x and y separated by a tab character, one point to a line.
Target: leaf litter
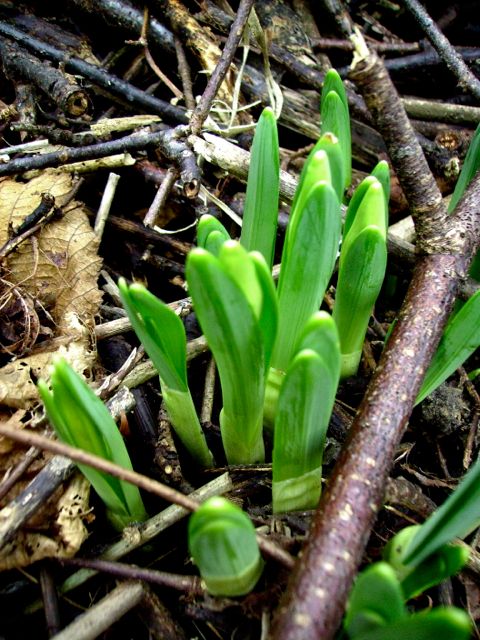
49	294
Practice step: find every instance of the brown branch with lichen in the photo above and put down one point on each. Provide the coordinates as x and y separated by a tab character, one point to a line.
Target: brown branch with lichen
314	603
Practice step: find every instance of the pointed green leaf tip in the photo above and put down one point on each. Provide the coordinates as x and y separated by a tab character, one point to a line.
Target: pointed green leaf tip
211	234
223	544
160	331
81	420
335	118
260	214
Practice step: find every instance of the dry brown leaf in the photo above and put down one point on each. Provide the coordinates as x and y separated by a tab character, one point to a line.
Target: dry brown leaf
55	274
59	269
64	536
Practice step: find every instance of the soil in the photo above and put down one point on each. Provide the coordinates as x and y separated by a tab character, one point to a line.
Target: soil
305	39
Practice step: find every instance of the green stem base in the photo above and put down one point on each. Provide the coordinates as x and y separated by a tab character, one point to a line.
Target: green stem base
297	494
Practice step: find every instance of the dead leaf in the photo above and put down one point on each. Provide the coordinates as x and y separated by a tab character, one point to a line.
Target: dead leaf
49	285
60	267
62	539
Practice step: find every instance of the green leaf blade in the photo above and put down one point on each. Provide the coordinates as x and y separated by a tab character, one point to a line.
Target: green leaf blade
160	331
460	339
376	591
82	420
231	328
302	282
304	407
360	279
470	167
441	623
260	215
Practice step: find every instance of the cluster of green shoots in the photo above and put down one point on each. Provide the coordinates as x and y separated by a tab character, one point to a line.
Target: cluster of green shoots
279	357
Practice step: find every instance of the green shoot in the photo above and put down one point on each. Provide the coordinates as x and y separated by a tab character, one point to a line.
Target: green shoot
260	214
303	413
81	420
336	118
223	544
308	260
376	600
458	516
459	340
470	167
381	172
376	611
235	302
211	234
162	334
363	260
440	623
415	578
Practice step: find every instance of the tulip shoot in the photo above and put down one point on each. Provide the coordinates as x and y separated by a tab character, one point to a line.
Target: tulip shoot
304	407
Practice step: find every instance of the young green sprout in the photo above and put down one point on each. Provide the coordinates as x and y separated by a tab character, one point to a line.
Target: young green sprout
416	577
303	413
336	118
363	260
162	334
376	611
308	260
81	420
235	302
260	213
223	545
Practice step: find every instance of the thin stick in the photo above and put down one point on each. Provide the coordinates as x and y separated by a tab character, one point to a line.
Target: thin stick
104	614
109	83
185	75
106	203
166	141
50	599
82	457
452	59
189	584
160	198
10	480
203	109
